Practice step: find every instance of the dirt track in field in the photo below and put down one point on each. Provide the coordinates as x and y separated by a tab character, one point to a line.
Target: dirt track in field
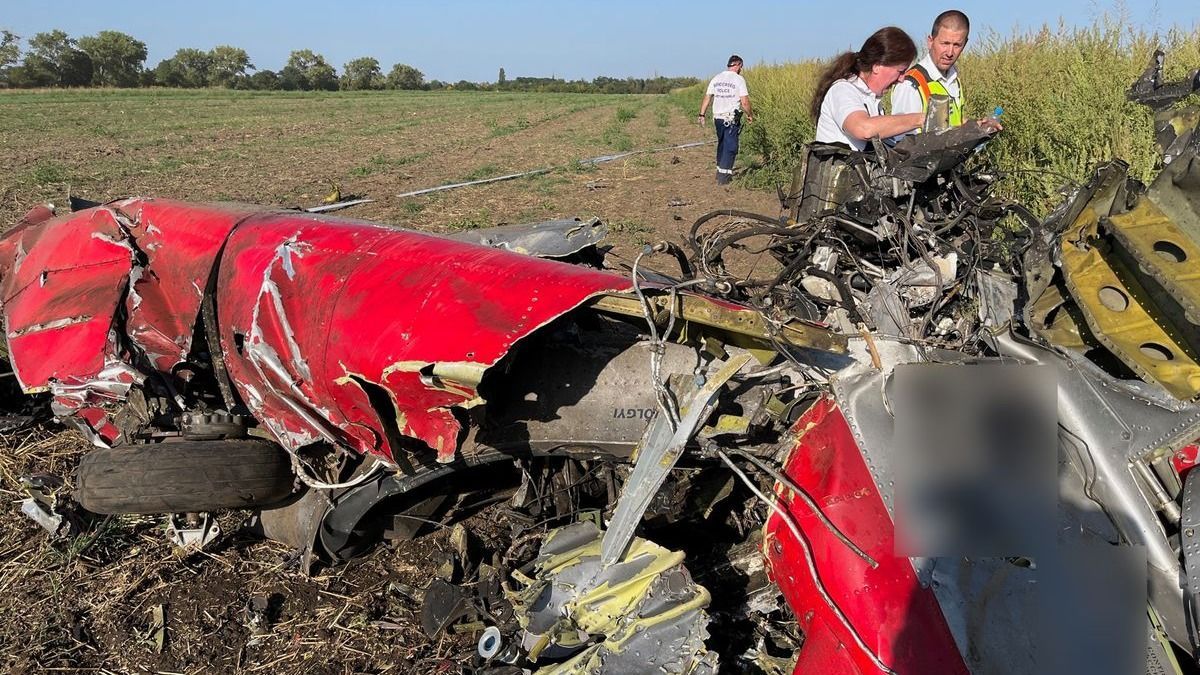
90	604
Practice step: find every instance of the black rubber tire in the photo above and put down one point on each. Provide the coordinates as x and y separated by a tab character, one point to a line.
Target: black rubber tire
183	477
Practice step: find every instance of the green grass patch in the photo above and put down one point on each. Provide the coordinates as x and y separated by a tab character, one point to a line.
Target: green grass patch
169	164
474	222
625	114
48	173
580	166
635	230
615	137
380	163
519	124
104	132
662	116
485	171
547	183
535	213
412	207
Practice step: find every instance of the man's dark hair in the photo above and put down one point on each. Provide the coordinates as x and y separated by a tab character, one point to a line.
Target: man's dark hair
951	19
733	61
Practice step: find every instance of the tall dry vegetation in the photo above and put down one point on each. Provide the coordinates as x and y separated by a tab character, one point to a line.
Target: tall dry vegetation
1062	90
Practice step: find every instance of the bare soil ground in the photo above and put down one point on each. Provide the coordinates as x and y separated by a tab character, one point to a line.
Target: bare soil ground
285	149
91	604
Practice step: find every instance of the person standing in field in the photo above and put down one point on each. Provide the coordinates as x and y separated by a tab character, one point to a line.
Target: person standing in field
847	100
936	74
730	100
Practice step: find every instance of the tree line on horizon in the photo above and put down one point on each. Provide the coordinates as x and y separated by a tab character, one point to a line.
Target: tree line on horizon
114	59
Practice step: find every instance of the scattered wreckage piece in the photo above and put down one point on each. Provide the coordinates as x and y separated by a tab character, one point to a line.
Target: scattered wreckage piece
1127	271
664	443
314	362
49	505
892	242
639	613
337	206
590	161
1150	90
555	239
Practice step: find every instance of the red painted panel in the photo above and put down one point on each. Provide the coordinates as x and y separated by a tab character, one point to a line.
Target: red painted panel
1186	458
62	280
311	308
61	284
823	652
180	242
898	620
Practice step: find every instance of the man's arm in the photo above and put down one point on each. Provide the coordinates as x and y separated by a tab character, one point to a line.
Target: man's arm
746	108
906	99
704	107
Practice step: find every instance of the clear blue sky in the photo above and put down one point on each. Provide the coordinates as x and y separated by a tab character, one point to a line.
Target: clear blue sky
471	39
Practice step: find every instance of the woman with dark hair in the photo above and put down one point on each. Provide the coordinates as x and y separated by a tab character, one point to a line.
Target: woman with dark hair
846	103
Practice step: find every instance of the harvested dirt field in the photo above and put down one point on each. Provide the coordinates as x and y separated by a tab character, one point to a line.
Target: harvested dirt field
119	598
285	149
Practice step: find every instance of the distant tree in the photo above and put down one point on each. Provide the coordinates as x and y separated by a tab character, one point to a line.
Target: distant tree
227	66
362	73
189	68
117	58
54	60
464	85
404	76
291	79
308	71
601	85
266	80
434	85
10	48
501	79
168	73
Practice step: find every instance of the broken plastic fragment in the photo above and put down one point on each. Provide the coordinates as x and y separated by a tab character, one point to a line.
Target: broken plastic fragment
642	614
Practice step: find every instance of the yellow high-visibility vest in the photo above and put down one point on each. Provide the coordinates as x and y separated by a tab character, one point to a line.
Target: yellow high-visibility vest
929	86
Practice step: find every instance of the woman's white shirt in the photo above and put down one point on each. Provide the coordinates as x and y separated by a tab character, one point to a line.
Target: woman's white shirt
844	97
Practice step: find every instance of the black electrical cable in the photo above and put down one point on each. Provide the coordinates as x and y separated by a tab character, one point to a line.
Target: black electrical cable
693	241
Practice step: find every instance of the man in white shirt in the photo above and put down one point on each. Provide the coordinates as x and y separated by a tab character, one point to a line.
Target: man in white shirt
936	74
730	99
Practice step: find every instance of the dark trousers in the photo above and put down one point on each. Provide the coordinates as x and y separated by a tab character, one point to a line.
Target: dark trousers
727	144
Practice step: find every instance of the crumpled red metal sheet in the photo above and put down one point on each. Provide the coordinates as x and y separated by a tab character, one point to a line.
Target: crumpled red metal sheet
61	284
350	332
63	279
361	334
901	622
180	242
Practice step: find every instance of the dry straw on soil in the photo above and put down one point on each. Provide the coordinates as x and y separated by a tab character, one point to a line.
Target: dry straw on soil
1062	90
